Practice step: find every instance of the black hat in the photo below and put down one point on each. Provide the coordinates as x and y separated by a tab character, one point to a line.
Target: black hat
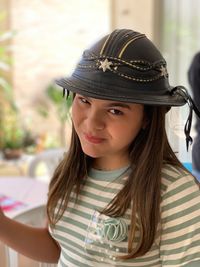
123	66
126	66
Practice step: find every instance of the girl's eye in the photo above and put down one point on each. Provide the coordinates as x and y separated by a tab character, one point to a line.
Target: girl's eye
116	112
83	100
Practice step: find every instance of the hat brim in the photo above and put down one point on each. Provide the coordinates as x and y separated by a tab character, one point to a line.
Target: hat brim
108	92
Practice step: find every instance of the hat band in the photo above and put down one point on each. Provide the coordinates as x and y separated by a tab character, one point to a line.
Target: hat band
134	70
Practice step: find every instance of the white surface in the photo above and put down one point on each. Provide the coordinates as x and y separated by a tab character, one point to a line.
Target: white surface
29	191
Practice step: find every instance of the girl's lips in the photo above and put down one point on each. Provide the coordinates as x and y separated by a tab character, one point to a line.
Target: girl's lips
93	139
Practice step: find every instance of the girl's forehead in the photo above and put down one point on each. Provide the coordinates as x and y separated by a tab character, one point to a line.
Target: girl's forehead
109	102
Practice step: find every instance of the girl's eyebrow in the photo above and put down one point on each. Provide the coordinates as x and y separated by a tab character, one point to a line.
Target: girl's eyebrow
118	104
111	104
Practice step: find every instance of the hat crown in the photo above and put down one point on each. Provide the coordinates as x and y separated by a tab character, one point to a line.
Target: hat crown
123	54
127	44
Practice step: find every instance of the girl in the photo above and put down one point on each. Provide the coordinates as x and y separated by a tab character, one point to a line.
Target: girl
120	197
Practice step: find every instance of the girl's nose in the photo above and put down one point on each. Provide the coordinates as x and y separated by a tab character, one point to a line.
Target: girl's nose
95	121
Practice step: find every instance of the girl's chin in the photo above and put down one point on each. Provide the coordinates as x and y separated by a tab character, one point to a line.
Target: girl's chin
92	154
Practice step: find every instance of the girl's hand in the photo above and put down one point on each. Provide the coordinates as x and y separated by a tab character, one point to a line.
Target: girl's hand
25	239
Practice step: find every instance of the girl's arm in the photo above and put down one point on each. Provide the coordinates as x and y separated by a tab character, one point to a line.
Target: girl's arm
35	243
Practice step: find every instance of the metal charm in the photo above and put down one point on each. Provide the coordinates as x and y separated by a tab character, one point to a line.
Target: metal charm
163	71
105	65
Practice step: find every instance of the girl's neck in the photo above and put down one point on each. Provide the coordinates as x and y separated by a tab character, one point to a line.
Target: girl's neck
103	165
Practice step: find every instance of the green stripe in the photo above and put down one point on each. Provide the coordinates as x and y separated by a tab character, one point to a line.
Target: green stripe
83	254
72	260
181	213
170	179
95	196
75	245
88	205
176	173
98	245
195	263
70	232
181	201
67	241
74	222
181	238
87	214
180	188
180	249
110	176
96	208
103	187
61	263
154	258
77	212
189	259
181	226
163	188
176	169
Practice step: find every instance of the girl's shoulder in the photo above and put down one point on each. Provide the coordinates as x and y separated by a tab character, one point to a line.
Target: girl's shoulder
175	176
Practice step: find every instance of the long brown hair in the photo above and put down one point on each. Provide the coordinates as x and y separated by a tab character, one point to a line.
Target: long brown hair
148	153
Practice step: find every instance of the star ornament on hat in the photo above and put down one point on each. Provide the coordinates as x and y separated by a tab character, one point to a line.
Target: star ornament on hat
105	65
163	71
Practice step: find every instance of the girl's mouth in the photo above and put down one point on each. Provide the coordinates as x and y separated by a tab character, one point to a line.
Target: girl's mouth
93	139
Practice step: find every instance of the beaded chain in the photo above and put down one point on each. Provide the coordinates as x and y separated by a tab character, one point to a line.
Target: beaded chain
113	63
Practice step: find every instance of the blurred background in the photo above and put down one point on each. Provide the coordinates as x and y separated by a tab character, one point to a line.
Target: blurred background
41	40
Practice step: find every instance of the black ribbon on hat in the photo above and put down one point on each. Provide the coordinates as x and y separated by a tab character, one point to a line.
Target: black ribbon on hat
65	92
181	90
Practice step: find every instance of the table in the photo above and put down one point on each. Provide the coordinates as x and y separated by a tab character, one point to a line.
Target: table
24	189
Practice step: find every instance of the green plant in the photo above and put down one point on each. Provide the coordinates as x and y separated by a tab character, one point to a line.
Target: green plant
5	63
62	107
13	134
13	139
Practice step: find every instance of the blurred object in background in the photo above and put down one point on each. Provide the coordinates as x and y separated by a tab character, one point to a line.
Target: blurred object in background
194	81
15	137
178	38
48	42
43	165
61	107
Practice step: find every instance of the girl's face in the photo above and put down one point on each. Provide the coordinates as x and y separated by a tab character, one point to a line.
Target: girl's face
106	129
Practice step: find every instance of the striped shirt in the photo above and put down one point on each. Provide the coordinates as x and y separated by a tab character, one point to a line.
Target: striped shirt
88	238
